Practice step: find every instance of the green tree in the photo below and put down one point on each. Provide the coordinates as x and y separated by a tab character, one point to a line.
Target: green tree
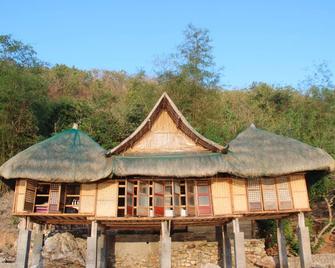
195	58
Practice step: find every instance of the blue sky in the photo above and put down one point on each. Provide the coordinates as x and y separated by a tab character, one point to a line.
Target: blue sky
270	41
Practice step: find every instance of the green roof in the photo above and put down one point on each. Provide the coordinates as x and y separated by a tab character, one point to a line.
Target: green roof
70	156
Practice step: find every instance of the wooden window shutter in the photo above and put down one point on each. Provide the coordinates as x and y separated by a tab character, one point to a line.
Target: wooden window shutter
254	195
29	198
54	197
269	194
299	191
239	195
284	194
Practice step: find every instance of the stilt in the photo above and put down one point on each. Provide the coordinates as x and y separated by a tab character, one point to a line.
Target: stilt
165	245
304	242
219	239
240	261
36	254
92	242
227	248
23	245
101	249
282	253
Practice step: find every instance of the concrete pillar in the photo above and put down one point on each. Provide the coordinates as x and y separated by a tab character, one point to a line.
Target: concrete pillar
101	250
281	241
92	243
219	239
304	242
36	253
23	245
165	245
227	248
239	249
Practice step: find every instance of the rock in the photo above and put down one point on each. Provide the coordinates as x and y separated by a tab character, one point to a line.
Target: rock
209	265
66	249
266	262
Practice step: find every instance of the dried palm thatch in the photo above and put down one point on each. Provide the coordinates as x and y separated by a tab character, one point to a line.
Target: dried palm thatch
70	156
181	165
254	153
258	153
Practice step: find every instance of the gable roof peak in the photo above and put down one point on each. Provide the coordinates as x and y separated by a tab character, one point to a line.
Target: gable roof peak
165	103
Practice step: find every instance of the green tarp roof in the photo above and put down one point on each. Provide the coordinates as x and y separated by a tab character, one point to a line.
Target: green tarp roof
72	156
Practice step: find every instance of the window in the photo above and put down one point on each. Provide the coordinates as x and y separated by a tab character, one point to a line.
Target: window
203	198
284	194
72	198
269	194
254	195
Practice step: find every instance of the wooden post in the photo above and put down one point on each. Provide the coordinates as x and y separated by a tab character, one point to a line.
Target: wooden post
91	257
304	242
23	244
227	248
36	253
239	249
282	253
165	245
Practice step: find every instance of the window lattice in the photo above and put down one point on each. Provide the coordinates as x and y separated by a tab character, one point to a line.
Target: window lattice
254	195
284	194
269	194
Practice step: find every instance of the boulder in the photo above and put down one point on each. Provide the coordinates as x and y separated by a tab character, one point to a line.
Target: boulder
65	249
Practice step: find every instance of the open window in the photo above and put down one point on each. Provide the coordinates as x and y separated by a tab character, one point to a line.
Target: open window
204	198
72	198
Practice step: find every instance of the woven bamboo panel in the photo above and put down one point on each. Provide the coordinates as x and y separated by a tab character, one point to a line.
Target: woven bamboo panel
164	136
107	195
284	193
254	195
20	190
221	196
269	194
87	198
299	191
239	195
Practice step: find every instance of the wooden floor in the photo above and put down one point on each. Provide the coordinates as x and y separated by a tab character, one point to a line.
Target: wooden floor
147	222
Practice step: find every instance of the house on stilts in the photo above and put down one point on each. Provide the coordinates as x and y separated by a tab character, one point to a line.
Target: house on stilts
163	176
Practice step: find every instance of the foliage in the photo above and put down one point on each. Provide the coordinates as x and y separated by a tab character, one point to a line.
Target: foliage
37	100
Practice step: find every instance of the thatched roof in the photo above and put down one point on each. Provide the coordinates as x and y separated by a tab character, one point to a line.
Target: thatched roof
166	103
170	164
70	156
253	153
257	153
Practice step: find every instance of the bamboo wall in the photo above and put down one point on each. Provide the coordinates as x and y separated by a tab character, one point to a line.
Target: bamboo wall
228	196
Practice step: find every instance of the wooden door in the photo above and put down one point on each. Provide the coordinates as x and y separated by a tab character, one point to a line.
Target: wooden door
190	202
130	199
204	199
158	199
143	199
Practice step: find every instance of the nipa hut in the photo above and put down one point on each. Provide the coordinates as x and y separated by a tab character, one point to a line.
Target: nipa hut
164	175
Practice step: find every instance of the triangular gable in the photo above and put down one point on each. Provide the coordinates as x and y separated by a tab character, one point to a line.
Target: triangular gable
165	130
